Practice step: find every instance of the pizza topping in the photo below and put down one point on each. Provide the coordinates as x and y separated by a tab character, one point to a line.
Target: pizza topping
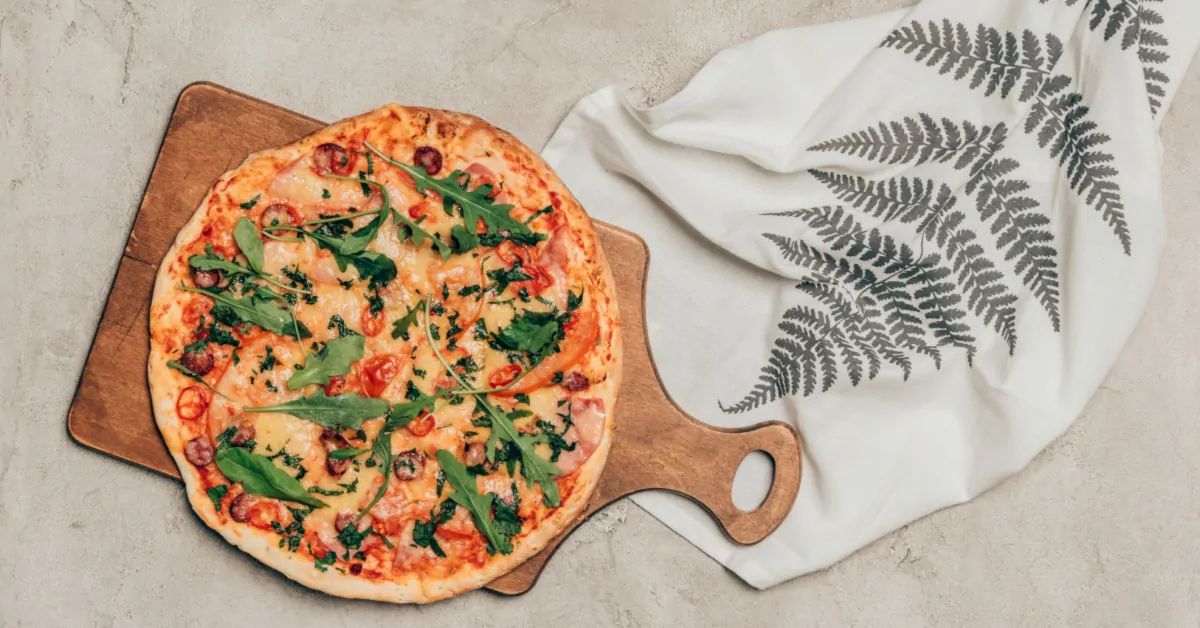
259	475
428	158
586	432
198	361
243	436
345	410
191	403
240	507
206	278
371	321
408	465
331	158
575	381
344	520
474	455
378	372
199	451
332	441
333	359
280	214
423	425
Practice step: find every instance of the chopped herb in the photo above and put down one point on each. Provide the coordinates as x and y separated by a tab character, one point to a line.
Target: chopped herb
270	385
325	193
251	203
466	365
423	531
401	326
216	494
322	563
293	534
336	322
502	277
375	302
269	361
555	439
469	290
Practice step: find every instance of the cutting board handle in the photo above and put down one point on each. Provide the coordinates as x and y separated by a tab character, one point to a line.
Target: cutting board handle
723	452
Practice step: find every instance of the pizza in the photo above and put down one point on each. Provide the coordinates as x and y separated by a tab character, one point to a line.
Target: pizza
386	357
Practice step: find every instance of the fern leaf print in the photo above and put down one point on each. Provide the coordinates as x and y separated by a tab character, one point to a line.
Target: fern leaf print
1000	62
914	200
1020	230
876	304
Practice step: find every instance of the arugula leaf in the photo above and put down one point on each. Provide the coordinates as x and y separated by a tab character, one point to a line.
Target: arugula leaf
186	371
349	452
381	449
501	277
264	313
357	241
473	205
411	230
400	327
402	414
216	494
346	410
423	531
534	468
465	494
535	333
210	261
259	476
507	514
322	563
334	358
246	236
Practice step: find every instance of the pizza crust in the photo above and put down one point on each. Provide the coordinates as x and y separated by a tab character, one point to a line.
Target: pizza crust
166	384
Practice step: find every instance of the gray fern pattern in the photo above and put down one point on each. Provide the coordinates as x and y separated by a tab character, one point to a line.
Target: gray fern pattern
875	302
931	208
1135	21
1021	232
1001	63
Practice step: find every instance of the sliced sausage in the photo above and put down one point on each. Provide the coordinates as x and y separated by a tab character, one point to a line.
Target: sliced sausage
199	362
332	158
241	507
428	158
475	454
575	381
333	441
243	435
199	451
409	465
206	278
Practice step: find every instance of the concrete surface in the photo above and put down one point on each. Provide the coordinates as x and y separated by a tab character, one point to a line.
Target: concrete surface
1100	530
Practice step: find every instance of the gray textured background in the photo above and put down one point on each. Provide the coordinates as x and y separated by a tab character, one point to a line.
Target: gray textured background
1100	530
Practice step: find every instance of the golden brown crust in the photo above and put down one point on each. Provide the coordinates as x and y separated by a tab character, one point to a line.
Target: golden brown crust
394	130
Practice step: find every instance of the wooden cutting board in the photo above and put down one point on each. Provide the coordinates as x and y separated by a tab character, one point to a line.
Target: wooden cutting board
656	445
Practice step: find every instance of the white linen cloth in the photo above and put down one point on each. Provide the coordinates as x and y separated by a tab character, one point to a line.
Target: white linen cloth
965	190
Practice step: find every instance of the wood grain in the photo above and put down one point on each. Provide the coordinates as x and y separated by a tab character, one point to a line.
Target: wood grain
656	446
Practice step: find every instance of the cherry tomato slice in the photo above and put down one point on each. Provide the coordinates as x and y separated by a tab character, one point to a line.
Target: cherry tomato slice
378	372
423	424
372	323
192	403
336	385
504	375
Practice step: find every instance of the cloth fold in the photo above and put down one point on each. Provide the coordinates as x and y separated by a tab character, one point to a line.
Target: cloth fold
921	237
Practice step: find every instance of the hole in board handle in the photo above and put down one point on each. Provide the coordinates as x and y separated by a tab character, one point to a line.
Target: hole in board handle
752	481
